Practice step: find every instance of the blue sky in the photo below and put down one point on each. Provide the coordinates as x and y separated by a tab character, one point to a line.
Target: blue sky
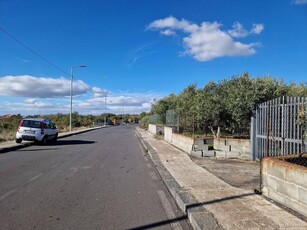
138	50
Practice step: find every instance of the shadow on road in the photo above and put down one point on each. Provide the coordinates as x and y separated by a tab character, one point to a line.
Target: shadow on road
73	142
188	209
33	150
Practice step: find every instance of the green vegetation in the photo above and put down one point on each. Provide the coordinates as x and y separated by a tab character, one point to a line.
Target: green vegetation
9	123
225	106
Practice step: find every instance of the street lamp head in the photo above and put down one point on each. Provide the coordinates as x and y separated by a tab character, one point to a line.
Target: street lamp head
79	66
71	91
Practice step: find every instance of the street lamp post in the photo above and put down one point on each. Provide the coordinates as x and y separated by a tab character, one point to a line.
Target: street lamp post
71	90
105	110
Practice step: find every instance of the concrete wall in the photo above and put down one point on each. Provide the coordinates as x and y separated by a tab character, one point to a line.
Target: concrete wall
168	134
285	183
156	129
182	142
152	128
232	148
197	147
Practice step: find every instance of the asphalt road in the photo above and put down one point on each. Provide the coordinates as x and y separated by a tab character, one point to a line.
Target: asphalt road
96	180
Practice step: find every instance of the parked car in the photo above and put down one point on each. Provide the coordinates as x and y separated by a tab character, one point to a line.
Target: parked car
35	129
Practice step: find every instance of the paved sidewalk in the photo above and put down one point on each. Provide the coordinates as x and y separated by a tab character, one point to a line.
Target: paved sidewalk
238	173
210	202
11	145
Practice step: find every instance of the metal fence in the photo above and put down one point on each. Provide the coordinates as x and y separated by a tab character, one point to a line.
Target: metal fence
279	127
170	118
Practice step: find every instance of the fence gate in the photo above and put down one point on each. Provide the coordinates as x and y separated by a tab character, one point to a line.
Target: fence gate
279	127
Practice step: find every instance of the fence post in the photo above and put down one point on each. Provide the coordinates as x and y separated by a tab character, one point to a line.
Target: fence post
268	128
253	136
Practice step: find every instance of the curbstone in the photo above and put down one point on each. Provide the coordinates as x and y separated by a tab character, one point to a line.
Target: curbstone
198	216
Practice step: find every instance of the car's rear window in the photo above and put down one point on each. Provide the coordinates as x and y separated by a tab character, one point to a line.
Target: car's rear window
31	124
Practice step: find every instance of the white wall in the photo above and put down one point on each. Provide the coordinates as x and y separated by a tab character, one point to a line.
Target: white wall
182	142
152	128
168	134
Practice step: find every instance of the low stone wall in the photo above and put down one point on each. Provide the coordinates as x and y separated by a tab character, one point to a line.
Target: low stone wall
232	148
285	183
156	129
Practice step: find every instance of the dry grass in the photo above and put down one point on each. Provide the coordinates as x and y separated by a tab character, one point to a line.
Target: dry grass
7	135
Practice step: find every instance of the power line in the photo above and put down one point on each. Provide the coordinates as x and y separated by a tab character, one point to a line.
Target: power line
33	52
44	59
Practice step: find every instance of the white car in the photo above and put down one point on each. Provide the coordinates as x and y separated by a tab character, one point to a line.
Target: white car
35	129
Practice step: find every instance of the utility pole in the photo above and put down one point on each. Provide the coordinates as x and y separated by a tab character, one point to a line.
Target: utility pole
105	110
71	91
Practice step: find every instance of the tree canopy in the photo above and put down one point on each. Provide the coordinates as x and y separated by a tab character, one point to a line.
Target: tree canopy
226	105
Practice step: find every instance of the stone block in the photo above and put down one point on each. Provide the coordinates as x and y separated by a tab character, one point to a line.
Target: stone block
197	153
209	153
270	182
274	169
287	189
220	154
297	175
297	206
302	193
232	155
276	196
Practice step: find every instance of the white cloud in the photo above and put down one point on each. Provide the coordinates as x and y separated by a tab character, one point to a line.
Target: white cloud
34	87
30	95
299	2
99	92
89	105
207	41
168	32
94	106
238	31
173	23
257	28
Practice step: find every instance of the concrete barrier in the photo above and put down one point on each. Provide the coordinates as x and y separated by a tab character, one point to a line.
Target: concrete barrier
156	129
168	134
152	128
285	183
232	148
197	147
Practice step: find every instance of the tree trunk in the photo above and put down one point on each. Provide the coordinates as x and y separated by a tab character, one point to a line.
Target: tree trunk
218	134
212	130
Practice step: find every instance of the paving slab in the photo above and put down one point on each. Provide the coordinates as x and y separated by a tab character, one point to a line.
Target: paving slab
219	204
238	173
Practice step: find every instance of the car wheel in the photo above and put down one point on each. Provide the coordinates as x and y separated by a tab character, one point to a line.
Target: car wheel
44	140
55	138
18	140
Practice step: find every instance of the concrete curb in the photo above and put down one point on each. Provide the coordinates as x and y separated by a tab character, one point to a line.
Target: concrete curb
197	215
16	146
